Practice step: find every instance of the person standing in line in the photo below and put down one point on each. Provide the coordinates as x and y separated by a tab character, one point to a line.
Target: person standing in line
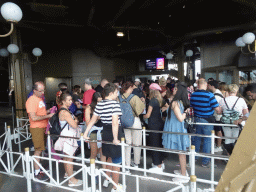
213	87
133	136
38	119
100	87
204	104
155	122
176	114
108	110
137	91
239	105
68	146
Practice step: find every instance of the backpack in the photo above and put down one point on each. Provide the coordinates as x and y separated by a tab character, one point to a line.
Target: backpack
127	118
218	94
55	127
229	115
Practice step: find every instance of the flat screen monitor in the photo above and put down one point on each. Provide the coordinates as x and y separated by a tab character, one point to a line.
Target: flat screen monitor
155	64
159	63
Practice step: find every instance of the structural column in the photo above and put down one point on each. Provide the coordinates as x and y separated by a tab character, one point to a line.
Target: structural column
180	62
17	76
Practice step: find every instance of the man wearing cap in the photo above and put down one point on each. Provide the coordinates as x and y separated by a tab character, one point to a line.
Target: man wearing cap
87	98
137	91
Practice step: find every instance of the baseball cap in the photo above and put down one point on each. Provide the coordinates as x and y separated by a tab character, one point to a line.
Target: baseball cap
137	79
88	81
155	86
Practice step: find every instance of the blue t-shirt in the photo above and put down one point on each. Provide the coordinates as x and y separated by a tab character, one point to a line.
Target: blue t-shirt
203	102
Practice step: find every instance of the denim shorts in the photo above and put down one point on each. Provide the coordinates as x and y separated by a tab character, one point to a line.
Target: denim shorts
117	160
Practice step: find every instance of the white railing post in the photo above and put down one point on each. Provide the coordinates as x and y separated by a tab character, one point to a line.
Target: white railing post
27	158
189	157
93	183
85	183
10	145
49	154
192	183
144	151
212	158
192	160
123	162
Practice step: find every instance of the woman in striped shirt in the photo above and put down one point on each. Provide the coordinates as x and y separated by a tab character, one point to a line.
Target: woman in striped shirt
108	110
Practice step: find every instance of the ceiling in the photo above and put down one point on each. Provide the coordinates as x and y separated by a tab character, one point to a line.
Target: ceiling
150	26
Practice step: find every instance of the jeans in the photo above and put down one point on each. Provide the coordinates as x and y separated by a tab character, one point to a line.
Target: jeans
203	130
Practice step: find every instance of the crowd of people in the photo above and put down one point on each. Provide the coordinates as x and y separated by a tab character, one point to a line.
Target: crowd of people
161	105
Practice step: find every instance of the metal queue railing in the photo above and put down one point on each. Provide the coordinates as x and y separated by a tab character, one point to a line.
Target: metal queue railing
9	168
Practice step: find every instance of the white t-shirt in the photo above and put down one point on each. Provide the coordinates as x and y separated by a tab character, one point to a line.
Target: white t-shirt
218	98
240	105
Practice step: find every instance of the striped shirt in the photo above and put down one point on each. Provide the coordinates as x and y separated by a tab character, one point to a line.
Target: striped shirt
106	109
203	103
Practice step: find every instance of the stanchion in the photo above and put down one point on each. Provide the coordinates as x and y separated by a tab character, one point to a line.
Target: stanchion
192	183
49	154
123	161
192	160
212	158
10	145
27	158
189	157
85	184
93	184
144	151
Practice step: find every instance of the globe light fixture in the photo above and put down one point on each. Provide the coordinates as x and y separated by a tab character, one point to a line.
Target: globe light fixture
12	48
189	53
4	52
247	38
11	13
36	52
169	56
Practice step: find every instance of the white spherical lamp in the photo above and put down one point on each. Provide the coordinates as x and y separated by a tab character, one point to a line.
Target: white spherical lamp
12	48
239	42
169	56
248	38
4	52
37	52
189	53
11	12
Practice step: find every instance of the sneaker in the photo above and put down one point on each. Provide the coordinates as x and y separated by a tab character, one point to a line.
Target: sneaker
177	172
218	149
41	177
127	170
78	183
105	183
163	166
66	175
134	165
208	165
180	180
156	169
120	187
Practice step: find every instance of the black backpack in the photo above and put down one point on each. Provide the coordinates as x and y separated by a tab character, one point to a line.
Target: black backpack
55	128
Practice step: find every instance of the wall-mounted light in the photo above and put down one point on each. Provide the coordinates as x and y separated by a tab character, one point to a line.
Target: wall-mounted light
169	56
4	52
14	49
247	38
189	53
11	13
119	34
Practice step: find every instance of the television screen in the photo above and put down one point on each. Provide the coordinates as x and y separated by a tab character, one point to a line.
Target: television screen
160	63
150	64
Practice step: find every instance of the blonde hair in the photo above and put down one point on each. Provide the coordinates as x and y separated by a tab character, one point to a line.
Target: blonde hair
157	95
162	81
233	88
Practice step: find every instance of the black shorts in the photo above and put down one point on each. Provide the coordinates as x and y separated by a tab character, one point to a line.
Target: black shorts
217	128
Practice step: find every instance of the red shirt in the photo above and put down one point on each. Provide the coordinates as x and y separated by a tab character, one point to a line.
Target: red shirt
87	98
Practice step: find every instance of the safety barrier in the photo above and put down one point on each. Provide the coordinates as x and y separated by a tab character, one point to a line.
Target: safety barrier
9	168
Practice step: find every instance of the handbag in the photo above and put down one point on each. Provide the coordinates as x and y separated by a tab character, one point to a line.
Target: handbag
190	127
